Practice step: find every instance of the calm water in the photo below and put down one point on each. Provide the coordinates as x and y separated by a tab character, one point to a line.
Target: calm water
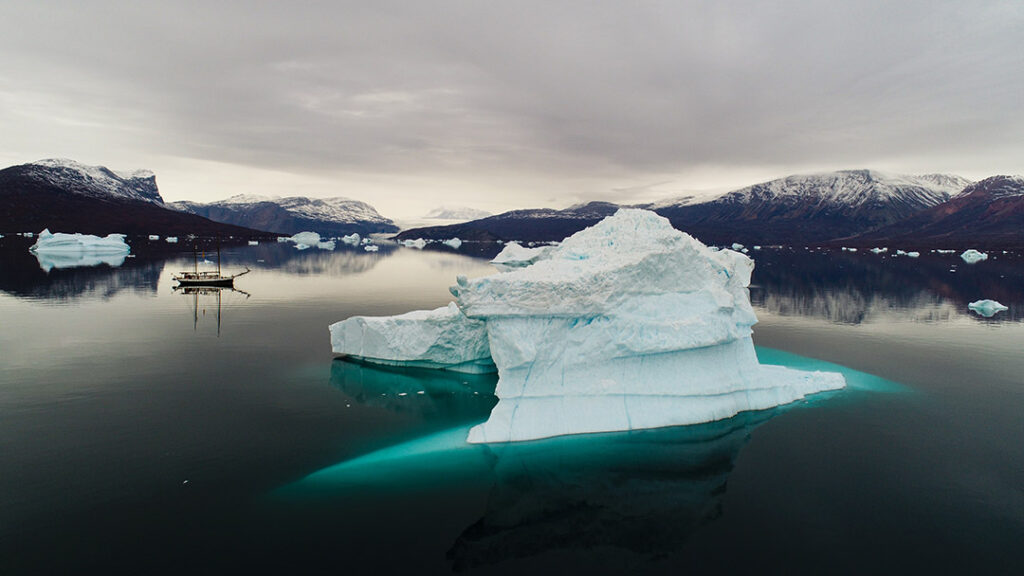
144	430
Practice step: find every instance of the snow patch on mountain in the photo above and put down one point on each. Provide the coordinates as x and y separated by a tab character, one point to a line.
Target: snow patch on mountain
96	181
461	213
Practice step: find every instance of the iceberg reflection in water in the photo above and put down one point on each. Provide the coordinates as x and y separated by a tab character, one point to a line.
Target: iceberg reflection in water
634	496
50	260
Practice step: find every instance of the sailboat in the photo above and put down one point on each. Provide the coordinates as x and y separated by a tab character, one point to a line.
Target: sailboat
195	277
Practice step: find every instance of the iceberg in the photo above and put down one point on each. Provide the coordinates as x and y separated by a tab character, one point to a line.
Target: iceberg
453	243
513	255
171	239
418	243
307	238
76	243
60	250
443	339
972	256
371	248
986	308
254	242
913	254
351	239
877	250
154	236
328	245
625	325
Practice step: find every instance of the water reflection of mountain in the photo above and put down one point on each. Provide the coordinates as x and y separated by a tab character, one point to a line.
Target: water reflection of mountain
642	493
343	260
852	288
21	275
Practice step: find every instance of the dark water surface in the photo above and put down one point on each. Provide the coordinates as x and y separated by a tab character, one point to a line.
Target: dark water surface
140	435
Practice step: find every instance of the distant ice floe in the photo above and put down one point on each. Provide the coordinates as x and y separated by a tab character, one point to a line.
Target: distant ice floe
418	243
254	242
371	248
171	239
351	239
453	243
154	236
328	245
627	324
60	250
986	308
878	250
913	254
973	256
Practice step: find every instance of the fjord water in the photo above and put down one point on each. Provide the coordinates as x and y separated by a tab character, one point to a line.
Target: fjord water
146	430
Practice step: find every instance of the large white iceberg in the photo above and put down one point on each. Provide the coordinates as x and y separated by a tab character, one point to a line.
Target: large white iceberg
628	324
443	338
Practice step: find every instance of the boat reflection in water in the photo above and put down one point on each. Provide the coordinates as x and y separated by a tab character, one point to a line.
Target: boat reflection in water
199	292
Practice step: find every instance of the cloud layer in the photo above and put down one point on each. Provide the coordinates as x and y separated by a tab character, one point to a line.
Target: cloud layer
516	103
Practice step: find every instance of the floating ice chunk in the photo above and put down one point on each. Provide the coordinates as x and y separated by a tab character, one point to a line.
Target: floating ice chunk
972	256
60	242
28	234
254	242
901	253
757	247
171	239
941	251
418	243
443	338
371	248
351	239
852	249
986	308
515	256
281	239
154	236
307	238
302	246
877	250
329	245
737	246
78	250
453	242
913	254
627	324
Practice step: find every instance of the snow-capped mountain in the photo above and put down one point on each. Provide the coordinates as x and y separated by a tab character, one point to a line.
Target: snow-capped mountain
328	216
95	181
540	225
989	213
68	196
462	213
811	208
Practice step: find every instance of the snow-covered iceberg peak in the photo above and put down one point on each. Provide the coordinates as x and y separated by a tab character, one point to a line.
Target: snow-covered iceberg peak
627	324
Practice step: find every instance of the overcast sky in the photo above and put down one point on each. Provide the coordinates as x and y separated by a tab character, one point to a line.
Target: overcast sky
412	104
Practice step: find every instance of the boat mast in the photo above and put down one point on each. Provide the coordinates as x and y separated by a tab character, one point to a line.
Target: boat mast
218	263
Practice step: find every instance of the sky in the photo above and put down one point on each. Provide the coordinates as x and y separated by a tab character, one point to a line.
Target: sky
409	105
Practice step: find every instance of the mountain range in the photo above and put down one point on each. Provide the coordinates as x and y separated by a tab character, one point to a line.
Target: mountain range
854	207
67	196
849	207
327	216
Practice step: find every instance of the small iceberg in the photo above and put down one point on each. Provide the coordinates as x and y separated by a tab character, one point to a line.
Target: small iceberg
307	238
254	242
154	236
371	248
418	243
453	243
513	255
171	239
877	250
60	250
443	338
972	256
737	246
328	245
913	254
628	324
986	308
351	239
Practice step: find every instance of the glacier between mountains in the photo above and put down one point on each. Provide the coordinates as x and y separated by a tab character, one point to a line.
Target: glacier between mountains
627	324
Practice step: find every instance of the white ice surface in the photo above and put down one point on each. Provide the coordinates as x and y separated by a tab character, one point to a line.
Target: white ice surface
171	239
453	242
351	239
307	238
443	338
79	243
513	255
972	256
986	308
418	243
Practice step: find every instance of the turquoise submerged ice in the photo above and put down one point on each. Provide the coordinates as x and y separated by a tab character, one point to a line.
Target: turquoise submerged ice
628	324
